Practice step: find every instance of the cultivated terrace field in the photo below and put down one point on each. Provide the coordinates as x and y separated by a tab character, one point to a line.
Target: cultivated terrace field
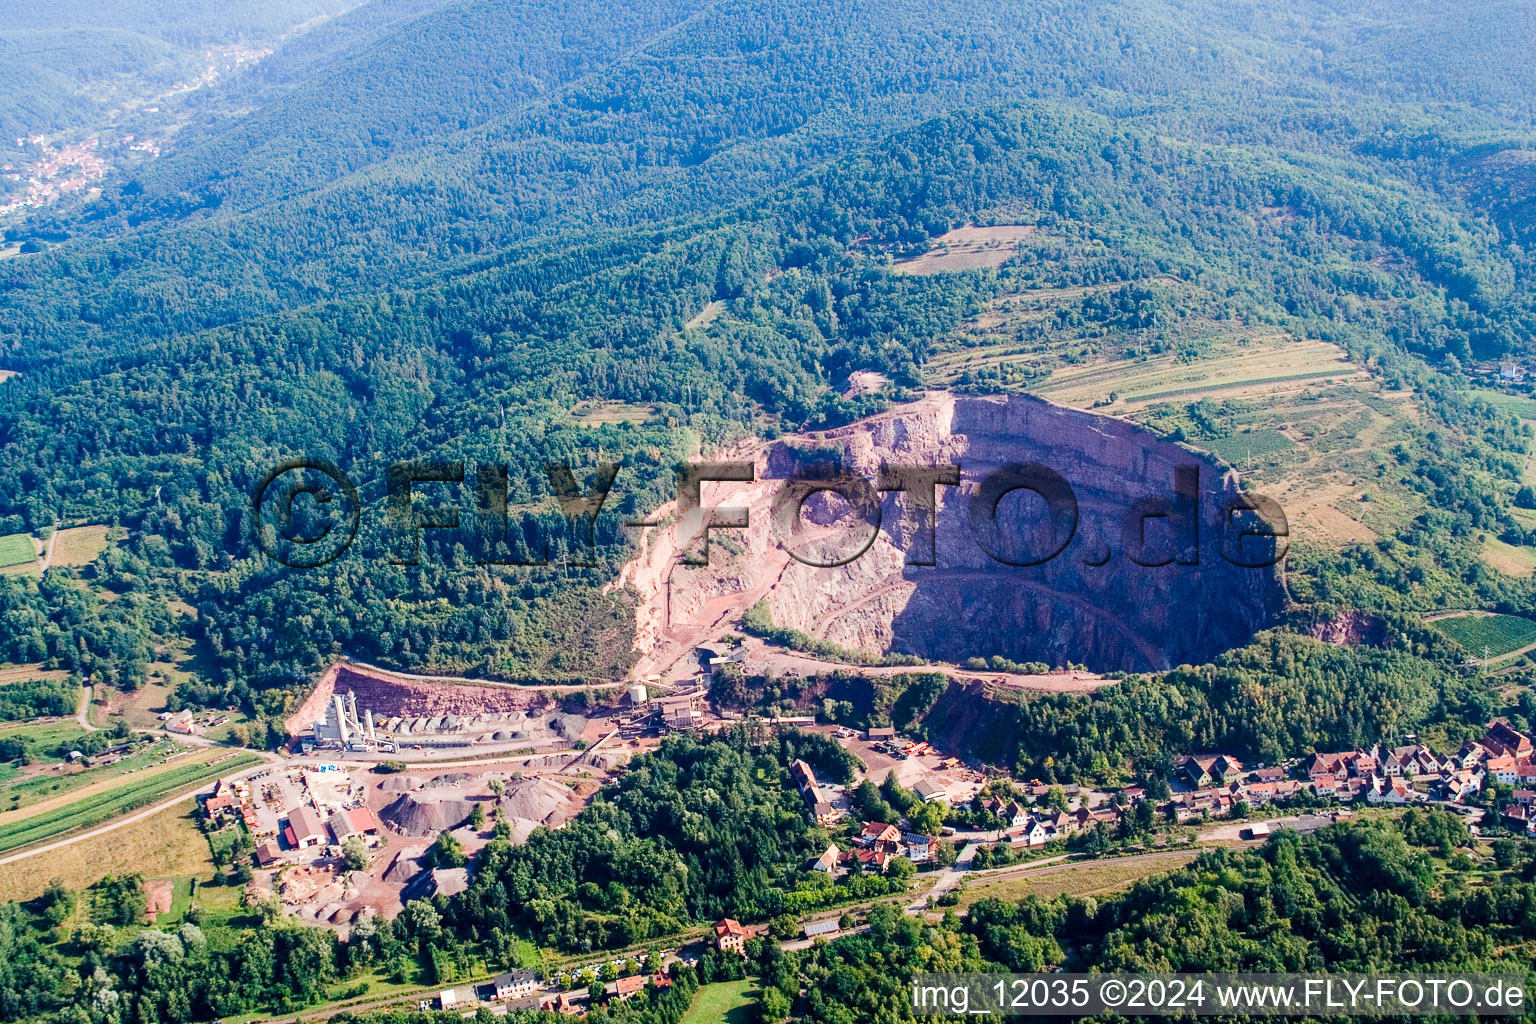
1488	636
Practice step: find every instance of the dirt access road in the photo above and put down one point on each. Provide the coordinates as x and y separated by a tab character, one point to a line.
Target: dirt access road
786	662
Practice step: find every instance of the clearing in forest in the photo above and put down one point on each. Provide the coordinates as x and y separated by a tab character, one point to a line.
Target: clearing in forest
79	545
968	248
597	413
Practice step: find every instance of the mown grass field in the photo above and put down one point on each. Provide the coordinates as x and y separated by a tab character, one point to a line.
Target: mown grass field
164	845
726	1001
968	248
137	792
1498	634
1078	879
79	546
17	549
1510	559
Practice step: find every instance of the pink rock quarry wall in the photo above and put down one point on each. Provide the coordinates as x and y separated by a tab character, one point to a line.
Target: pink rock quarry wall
1090	604
386	695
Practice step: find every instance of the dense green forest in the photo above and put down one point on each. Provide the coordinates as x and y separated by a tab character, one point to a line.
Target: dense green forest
484	365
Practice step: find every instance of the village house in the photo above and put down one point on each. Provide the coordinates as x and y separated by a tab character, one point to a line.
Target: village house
802	775
825	812
518	984
1470	755
918	847
1387	789
731	935
1319	764
1015	815
1036	833
1503	739
223	802
880	836
625	988
561	1003
1503	769
1462	786
827	862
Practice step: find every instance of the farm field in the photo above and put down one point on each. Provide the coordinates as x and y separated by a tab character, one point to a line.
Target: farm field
165	845
1079	879
968	248
54	786
79	545
17	549
29	673
1295	417
1243	449
1518	405
729	1002
100	807
1499	634
1255	370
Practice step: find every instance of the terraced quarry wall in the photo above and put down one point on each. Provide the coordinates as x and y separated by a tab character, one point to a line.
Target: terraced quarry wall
1091	604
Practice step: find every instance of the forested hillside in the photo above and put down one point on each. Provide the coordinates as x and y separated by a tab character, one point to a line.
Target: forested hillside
366	269
76	65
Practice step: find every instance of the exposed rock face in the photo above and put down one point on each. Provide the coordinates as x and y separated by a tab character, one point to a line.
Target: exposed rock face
1114	615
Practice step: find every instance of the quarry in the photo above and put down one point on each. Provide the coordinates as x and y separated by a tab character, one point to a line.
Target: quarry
945	569
1140	583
